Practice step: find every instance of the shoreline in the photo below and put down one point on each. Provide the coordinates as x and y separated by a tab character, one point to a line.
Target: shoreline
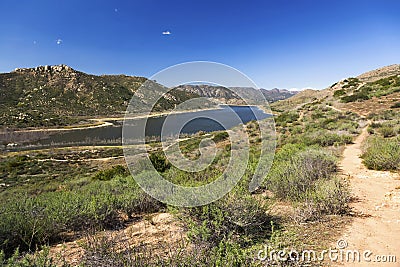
105	121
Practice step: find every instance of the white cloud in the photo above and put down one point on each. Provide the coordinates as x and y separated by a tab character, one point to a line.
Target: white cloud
166	32
59	41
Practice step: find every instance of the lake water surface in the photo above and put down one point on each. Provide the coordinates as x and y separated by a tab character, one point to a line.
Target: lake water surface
196	121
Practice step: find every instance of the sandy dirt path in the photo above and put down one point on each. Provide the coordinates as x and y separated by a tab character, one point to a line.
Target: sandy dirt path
376	204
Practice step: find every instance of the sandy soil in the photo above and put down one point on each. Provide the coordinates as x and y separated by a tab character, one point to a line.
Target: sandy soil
376	205
159	232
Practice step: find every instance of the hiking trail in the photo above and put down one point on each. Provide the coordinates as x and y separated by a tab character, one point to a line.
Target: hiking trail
376	204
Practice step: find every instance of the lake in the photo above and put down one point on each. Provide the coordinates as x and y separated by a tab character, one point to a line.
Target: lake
196	121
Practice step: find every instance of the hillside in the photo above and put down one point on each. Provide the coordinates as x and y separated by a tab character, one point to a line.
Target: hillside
370	92
60	95
301	98
380	73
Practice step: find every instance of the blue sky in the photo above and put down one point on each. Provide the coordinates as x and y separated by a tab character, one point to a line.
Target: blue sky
280	43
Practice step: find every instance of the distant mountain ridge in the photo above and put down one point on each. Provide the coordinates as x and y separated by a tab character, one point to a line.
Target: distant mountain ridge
228	95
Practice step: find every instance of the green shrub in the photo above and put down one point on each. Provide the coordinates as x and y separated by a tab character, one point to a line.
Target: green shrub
27	221
39	259
387	131
355	97
286	117
322	138
160	162
381	153
338	93
327	197
294	173
106	175
396	105
370	129
237	215
220	136
376	125
385	115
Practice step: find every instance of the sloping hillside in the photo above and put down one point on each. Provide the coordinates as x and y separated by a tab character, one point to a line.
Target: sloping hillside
58	95
380	73
298	100
371	92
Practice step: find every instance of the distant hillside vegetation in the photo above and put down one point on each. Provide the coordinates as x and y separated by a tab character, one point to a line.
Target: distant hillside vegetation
370	92
59	95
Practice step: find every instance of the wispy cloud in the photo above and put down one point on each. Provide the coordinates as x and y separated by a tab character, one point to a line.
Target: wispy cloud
166	33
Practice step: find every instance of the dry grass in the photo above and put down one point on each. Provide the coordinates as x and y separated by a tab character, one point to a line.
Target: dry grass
374	105
156	231
300	99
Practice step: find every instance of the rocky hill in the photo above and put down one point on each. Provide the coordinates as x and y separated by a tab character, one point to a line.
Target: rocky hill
60	95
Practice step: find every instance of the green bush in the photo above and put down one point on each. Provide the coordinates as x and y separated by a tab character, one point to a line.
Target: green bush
387	131
338	93
40	259
382	153
27	221
395	105
305	176
376	125
106	175
355	97
160	162
294	173
327	197
384	115
238	215
220	136
322	138
286	117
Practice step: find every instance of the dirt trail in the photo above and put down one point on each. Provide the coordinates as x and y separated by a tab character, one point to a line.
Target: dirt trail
377	206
